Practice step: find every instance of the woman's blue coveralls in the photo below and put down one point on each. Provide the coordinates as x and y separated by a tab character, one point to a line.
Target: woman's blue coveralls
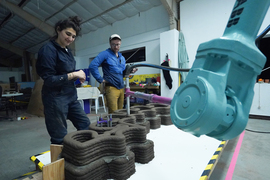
59	95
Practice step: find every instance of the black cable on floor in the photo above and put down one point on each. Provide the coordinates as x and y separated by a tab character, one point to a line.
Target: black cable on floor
257	131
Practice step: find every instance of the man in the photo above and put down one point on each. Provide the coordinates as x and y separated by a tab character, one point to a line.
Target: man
113	65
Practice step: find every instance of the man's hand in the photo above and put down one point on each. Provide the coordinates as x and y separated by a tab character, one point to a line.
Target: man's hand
134	70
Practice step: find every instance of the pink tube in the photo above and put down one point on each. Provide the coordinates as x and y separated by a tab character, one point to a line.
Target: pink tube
150	97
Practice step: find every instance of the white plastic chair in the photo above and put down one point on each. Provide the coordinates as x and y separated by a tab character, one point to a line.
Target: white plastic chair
97	103
90	93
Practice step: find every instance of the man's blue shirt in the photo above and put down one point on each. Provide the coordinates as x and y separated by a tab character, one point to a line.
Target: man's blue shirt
112	68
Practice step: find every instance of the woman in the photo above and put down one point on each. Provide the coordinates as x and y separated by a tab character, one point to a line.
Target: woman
56	66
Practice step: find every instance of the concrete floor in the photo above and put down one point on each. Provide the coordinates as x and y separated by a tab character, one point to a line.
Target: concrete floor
19	140
253	161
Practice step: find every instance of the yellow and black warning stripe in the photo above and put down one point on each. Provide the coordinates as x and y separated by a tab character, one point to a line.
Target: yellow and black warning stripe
208	170
25	175
36	161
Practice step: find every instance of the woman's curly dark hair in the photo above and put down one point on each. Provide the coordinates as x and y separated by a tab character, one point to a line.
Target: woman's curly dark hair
72	22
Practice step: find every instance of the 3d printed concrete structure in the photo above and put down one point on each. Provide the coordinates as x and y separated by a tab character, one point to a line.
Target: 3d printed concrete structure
113	144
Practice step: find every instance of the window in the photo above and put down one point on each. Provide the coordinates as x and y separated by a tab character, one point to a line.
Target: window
134	55
264	46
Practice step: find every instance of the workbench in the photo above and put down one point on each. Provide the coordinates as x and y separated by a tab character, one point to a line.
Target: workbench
147	90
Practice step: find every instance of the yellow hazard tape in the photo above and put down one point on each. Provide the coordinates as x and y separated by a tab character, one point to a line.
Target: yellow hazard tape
210	165
27	174
36	161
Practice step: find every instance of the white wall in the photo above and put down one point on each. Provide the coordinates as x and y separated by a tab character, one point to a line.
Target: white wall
204	20
141	30
169	45
260	104
5	73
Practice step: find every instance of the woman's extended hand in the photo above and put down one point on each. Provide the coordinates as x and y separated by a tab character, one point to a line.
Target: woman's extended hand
80	74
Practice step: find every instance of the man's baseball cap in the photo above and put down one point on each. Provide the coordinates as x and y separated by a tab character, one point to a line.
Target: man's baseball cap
114	36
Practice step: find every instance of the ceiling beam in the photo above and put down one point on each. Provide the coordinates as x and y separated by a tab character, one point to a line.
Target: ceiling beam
11	48
108	10
171	7
60	10
46	28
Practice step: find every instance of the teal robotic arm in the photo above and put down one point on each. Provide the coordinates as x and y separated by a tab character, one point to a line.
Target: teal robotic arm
216	97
